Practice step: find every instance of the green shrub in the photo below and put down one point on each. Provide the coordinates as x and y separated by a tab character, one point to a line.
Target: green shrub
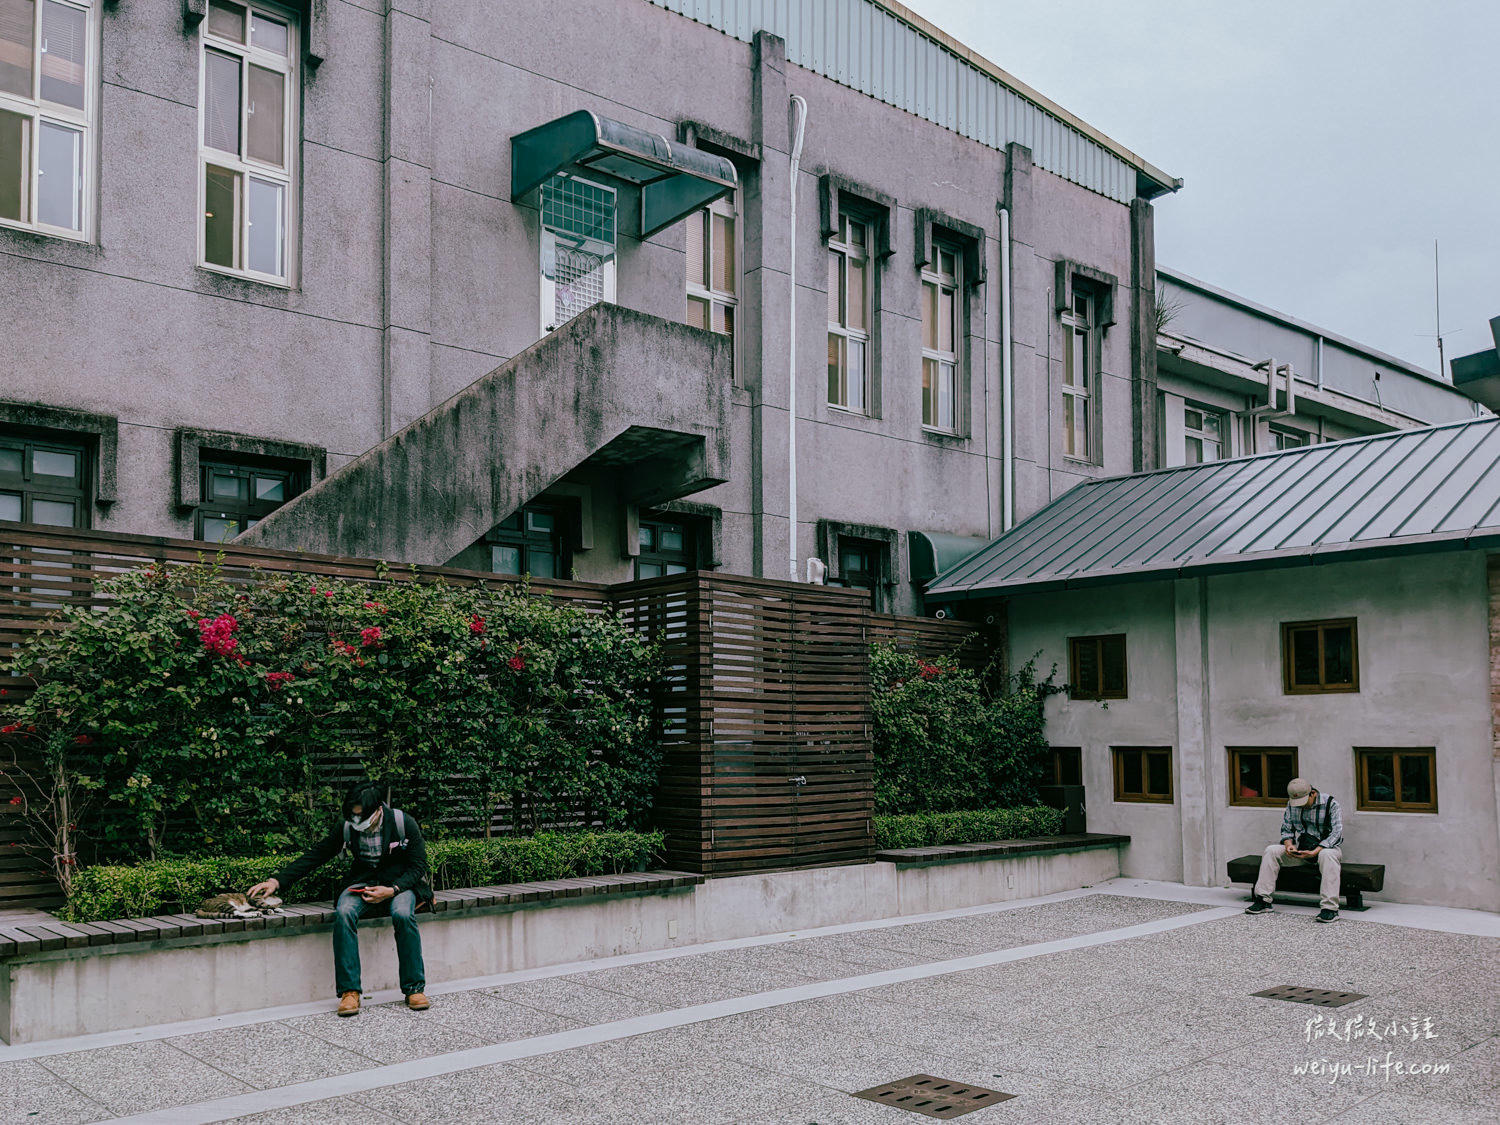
977	826
185	713
173	886
948	738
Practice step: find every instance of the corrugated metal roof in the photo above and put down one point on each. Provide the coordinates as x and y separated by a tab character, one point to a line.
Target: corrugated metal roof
1412	490
882	49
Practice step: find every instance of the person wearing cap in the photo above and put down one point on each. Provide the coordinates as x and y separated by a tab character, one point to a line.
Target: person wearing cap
387	875
1312	831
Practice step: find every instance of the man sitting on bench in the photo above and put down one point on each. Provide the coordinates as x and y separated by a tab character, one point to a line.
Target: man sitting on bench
1312	830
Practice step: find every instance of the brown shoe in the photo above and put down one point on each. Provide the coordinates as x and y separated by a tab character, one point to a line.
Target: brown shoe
418	1002
349	1004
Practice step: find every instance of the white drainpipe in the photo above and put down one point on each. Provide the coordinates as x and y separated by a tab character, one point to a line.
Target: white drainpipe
1007	385
791	398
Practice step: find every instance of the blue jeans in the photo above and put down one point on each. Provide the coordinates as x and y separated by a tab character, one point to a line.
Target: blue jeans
402	909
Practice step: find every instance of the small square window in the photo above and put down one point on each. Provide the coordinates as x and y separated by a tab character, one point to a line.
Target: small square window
1258	776
1096	667
1320	656
1143	774
1396	780
1065	765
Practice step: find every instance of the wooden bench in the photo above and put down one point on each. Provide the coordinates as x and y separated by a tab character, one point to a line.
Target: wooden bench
1354	878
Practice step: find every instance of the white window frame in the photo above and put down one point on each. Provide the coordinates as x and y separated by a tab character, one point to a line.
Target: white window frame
1276	433
842	244
82	120
944	280
550	239
1199	435
243	165
1078	321
718	300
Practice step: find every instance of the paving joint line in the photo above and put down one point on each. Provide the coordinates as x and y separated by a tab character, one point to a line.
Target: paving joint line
69	1045
357	1082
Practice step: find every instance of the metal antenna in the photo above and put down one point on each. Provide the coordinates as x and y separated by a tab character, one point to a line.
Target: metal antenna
1437	311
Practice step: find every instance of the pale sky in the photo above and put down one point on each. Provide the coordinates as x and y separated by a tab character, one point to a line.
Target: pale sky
1324	144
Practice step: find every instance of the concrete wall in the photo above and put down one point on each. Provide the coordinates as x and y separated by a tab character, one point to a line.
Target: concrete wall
1205	674
1244	328
76	992
417	275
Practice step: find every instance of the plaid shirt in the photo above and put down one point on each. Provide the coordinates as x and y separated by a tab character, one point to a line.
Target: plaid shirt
1296	821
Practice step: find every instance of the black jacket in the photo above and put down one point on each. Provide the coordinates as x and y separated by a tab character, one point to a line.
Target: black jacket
404	865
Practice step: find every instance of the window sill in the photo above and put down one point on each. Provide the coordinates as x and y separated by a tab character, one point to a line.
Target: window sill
1394	812
1168	801
46	246
945	437
1320	691
253	278
849	412
240	287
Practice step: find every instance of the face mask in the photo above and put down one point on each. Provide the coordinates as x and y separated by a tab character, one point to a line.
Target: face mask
366	824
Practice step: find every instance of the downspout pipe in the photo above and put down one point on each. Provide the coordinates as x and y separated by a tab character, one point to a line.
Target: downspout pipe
800	105
1007	385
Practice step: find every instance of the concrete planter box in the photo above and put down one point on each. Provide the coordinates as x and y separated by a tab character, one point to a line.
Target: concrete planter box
61	992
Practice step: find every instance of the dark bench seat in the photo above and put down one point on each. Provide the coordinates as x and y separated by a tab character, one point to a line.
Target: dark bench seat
1354	878
44	936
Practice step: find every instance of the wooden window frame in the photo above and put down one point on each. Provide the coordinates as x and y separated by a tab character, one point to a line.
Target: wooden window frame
241	164
687	558
722	305
1080	389
1055	756
560	540
250	511
1146	797
31	488
1362	756
1222	442
36	111
1289	687
843	250
1097	640
1266	800
938	282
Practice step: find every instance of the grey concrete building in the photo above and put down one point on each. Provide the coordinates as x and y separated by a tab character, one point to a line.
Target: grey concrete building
862	295
1330	612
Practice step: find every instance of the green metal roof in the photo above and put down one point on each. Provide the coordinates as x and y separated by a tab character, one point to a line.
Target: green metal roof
1436	488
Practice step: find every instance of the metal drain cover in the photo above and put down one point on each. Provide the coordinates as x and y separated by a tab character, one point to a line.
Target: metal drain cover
1321	996
933	1097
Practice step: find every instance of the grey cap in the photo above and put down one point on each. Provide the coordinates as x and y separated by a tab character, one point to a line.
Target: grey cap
1299	792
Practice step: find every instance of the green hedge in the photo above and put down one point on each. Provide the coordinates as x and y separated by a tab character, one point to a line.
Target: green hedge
172	886
928	830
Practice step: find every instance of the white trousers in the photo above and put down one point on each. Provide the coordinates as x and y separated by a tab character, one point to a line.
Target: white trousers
1275	858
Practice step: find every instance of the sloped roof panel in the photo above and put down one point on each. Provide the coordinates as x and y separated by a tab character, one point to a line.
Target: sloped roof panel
1412	489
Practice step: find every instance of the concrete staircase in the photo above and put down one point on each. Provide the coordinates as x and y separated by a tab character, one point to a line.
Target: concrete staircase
645	397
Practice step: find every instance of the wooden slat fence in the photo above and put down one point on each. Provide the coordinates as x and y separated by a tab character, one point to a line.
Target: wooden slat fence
765	683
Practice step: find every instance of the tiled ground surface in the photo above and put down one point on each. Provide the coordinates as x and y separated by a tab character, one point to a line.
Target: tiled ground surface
1160	1028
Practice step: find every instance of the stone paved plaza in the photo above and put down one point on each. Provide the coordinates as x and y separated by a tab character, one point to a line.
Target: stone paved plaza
1126	1003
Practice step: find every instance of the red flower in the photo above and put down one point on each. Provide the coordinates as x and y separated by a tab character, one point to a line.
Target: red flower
15	800
193	614
277	680
81	740
10	729
4	691
31	729
476	625
516	664
928	671
370	636
314	587
369	605
328	593
218	635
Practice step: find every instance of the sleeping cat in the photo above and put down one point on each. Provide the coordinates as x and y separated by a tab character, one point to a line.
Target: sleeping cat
236	905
